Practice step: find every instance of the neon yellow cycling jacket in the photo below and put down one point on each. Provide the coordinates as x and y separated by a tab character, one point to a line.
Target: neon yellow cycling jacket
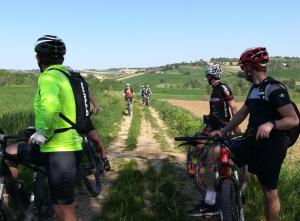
55	95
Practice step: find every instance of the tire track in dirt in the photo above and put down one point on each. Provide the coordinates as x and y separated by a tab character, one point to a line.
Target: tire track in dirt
89	207
187	185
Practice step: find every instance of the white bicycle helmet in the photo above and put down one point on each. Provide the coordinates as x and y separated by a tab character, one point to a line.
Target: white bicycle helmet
214	71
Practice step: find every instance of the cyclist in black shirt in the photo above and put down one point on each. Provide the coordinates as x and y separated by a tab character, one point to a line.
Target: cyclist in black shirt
271	114
220	103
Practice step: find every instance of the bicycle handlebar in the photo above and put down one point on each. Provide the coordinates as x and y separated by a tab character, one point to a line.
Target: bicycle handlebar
216	139
12	137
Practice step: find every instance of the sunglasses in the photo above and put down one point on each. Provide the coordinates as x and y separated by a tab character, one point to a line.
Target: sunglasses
243	66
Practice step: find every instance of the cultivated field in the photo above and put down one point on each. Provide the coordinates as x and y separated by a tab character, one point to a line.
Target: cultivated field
199	108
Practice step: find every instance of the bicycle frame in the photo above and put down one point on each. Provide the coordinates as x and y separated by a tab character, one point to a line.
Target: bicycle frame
227	186
225	169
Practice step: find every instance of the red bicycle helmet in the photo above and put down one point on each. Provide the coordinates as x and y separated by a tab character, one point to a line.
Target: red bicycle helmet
257	56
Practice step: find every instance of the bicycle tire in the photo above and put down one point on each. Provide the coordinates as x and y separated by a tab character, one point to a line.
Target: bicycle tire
2	214
42	199
200	173
229	205
129	108
96	155
89	171
189	155
31	214
18	201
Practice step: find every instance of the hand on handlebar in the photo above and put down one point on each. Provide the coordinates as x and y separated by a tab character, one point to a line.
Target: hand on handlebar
216	133
37	138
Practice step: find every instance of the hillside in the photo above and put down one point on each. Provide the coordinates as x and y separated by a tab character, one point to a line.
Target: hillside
187	81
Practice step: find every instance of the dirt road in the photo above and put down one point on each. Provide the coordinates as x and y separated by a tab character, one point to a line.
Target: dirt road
148	150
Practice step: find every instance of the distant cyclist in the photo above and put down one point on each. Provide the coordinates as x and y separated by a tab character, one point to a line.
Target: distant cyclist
142	91
147	95
128	95
148	91
221	103
128	92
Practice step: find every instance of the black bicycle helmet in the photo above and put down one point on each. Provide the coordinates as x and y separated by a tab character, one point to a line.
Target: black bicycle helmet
50	45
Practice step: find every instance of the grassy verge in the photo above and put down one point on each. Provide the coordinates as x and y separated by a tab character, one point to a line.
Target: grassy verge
134	130
180	122
107	122
15	122
130	201
289	193
158	136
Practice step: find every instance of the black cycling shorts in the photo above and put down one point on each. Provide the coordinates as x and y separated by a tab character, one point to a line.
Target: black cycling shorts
264	157
60	166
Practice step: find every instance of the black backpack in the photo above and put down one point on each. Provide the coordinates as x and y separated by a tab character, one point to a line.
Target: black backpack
294	132
82	100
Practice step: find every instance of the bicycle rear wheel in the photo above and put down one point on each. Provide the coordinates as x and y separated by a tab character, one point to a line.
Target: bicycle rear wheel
89	170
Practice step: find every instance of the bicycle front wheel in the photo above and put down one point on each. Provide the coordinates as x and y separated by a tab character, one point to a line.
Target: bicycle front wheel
42	200
90	171
229	202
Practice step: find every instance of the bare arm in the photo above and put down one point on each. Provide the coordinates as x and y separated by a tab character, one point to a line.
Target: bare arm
234	110
95	107
236	120
290	118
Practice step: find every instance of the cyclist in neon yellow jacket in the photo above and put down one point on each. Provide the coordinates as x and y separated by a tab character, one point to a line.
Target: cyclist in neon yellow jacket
55	95
59	153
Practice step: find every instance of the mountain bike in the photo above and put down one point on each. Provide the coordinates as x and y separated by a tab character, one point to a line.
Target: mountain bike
146	100
16	202
129	105
227	181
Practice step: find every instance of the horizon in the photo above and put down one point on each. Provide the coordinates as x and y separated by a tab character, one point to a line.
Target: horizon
103	35
182	62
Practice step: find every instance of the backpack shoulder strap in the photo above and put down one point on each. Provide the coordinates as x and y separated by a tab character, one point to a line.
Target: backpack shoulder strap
61	115
61	71
271	85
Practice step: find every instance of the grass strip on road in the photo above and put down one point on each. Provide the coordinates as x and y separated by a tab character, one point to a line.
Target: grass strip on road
126	199
167	202
135	127
148	196
158	136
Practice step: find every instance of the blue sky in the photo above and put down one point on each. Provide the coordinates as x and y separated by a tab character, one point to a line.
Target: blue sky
111	33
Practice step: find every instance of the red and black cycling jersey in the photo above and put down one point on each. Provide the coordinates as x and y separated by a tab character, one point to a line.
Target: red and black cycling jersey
263	100
128	92
218	102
